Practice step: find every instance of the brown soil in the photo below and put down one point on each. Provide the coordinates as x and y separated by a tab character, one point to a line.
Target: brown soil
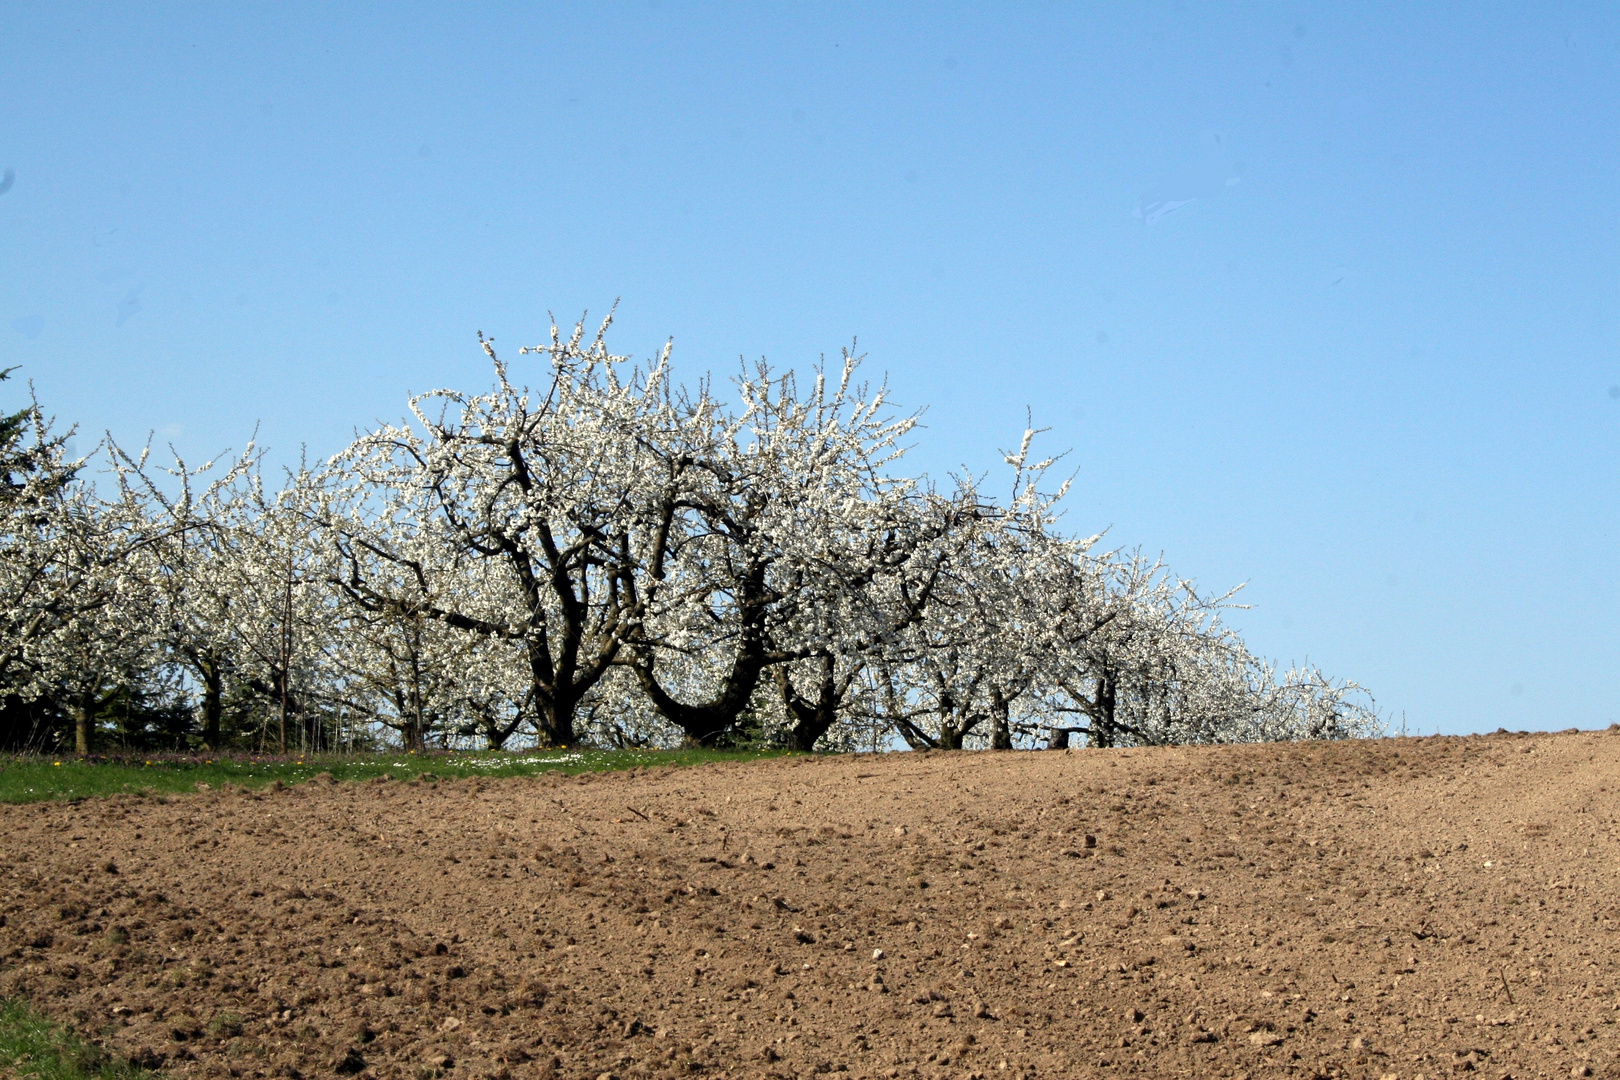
1406	907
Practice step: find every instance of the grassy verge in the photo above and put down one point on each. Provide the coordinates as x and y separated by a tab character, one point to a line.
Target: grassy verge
32	779
35	1048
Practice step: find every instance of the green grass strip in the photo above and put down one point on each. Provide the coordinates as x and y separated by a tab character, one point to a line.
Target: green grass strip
34	779
35	1048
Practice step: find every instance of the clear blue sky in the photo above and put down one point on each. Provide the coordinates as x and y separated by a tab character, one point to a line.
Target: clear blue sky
1324	299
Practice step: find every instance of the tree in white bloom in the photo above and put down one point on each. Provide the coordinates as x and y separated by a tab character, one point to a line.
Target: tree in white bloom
192	569
246	602
964	672
78	621
588	550
553	490
785	542
37	585
422	678
1166	669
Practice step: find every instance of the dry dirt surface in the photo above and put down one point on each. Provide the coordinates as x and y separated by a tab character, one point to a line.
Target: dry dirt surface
1402	907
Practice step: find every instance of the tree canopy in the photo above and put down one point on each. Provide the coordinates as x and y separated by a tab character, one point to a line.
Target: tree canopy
590	551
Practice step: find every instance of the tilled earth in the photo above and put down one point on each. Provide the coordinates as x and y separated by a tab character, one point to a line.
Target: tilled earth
1405	907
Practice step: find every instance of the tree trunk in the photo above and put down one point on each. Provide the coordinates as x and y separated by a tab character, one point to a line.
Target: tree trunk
1001	736
84	723
281	715
708	723
1059	739
213	700
496	733
311	725
1103	732
915	737
556	697
416	722
555	723
811	719
952	735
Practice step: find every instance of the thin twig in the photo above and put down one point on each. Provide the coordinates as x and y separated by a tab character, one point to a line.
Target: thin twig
638	814
1503	972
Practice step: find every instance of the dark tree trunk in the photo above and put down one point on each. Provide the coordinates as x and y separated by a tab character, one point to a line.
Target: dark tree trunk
811	719
955	723
554	697
554	720
708	723
495	732
1103	730
557	683
213	703
1001	736
1059	739
84	723
953	734
915	737
554	725
414	730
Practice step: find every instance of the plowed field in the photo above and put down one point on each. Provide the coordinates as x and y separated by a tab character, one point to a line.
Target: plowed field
1399	907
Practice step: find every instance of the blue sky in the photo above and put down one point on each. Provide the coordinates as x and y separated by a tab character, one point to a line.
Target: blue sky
1322	298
